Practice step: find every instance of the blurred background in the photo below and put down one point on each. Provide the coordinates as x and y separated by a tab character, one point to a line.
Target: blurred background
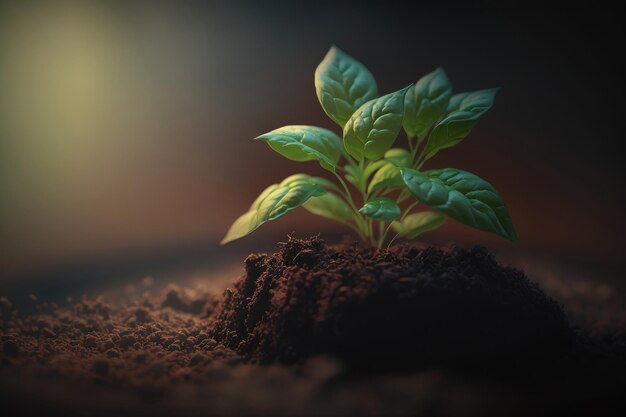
126	127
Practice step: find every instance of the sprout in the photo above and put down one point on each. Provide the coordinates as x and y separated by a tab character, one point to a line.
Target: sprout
386	182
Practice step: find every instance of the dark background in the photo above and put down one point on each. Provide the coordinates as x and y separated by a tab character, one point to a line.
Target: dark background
126	127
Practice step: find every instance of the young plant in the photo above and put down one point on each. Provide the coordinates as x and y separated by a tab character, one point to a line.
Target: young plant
378	186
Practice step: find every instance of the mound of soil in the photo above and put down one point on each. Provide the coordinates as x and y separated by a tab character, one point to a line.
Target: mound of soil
406	307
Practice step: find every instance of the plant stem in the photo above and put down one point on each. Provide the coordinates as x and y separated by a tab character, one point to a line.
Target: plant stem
409	208
384	235
403	196
406	213
357	230
348	197
392	239
410	140
381	233
369	231
420	160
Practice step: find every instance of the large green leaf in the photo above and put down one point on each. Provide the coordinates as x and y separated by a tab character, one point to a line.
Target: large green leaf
462	196
275	201
306	143
381	209
343	84
464	111
426	102
374	127
415	224
330	206
388	175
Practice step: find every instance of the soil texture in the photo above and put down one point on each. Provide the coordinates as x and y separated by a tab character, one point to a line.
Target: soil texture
315	329
400	308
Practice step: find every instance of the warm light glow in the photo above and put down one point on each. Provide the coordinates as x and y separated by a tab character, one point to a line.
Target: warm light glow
93	110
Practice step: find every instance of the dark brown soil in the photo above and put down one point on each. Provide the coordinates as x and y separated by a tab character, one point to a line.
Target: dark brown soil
144	345
400	308
453	332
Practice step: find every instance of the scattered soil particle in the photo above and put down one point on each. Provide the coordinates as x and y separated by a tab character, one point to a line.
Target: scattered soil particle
90	342
119	344
399	308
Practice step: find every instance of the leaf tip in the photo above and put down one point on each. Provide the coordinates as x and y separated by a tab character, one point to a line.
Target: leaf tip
493	91
512	236
405	89
334	49
261	136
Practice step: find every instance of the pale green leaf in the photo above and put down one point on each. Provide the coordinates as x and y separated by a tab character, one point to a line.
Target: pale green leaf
462	196
305	143
399	157
372	167
388	175
329	206
343	84
352	175
275	201
415	224
374	127
322	182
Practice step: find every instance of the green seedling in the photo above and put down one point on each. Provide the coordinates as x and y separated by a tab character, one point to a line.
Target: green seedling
379	186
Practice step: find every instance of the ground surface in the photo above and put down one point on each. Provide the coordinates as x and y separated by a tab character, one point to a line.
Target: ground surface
349	332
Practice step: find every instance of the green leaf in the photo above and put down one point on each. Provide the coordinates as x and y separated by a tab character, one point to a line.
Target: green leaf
426	102
464	112
374	127
475	101
352	175
343	84
275	201
415	224
306	143
388	175
372	167
462	196
357	177
329	206
381	209
322	182
399	157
